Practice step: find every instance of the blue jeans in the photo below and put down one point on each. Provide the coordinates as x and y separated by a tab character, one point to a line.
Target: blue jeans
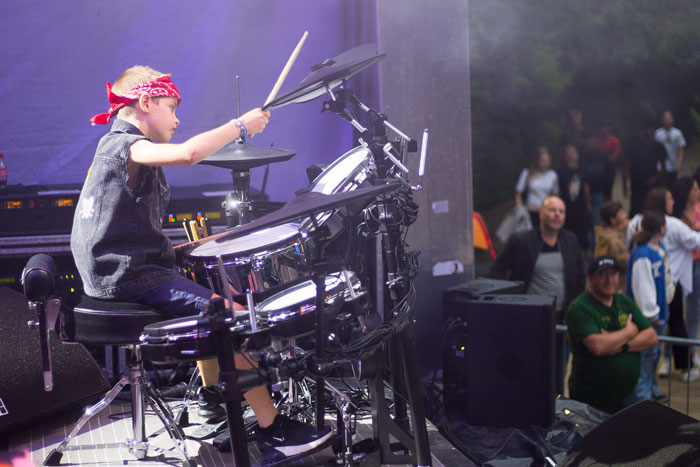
647	384
178	298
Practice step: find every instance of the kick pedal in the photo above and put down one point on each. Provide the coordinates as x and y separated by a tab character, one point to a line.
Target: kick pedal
222	442
276	461
208	430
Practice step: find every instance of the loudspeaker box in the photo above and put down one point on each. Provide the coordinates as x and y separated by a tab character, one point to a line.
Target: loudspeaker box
77	377
498	364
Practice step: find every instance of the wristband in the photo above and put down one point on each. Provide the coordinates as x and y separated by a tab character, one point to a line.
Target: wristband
242	130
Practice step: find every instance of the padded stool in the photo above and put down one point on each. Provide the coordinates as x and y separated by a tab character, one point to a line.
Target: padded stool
101	323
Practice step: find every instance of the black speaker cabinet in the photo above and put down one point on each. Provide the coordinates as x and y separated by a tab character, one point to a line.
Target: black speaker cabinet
498	361
77	378
485	286
646	434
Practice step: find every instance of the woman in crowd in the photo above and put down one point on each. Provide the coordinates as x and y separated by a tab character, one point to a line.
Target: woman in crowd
680	241
660	200
650	284
536	183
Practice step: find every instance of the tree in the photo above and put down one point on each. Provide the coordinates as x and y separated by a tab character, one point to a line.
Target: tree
623	61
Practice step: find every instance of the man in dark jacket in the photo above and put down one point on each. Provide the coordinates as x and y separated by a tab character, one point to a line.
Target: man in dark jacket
549	262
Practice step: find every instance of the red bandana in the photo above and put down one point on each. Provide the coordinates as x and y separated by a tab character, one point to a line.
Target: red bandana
161	87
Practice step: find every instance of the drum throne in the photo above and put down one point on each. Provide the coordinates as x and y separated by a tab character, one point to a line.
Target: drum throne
99	323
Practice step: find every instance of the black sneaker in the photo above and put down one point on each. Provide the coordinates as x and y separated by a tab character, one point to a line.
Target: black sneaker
210	404
289	438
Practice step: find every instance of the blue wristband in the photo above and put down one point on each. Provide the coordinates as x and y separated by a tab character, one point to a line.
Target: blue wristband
242	130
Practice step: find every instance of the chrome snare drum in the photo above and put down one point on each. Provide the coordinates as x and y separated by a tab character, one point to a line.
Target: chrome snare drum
258	261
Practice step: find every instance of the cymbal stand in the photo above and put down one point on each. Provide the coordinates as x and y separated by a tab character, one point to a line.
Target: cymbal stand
237	205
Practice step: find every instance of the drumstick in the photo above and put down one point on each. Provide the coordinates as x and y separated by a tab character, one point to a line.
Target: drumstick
285	70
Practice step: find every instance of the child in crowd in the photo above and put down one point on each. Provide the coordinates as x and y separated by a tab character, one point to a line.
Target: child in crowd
650	284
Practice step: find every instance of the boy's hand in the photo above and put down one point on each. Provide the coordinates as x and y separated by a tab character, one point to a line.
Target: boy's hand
255	121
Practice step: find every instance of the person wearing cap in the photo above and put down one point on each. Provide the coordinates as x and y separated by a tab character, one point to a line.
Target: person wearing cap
607	332
549	261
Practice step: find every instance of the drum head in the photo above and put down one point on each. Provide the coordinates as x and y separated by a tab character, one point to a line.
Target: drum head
247	245
291	312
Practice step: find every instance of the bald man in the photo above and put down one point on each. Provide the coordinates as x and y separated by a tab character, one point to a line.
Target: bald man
549	261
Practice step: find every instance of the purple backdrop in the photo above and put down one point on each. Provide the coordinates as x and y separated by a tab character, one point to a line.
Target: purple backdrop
57	56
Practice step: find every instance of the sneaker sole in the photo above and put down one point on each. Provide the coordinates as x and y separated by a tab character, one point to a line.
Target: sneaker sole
289	451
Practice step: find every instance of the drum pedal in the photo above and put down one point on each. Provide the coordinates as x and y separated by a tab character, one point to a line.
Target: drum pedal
276	461
222	441
207	431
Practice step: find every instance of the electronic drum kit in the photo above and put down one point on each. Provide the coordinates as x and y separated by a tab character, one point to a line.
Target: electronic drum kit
330	264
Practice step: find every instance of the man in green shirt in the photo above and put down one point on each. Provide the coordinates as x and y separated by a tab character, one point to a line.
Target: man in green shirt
607	332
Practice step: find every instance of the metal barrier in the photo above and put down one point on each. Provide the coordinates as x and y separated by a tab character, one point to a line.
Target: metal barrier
683	342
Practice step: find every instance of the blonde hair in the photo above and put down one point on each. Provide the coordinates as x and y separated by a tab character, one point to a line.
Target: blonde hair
131	78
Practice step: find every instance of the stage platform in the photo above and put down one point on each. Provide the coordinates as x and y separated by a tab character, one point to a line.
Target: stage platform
113	425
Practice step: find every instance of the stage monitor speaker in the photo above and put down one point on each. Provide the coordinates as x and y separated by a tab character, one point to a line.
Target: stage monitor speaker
647	434
77	378
485	286
498	361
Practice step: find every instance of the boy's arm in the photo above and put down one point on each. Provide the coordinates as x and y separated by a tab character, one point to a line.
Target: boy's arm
199	146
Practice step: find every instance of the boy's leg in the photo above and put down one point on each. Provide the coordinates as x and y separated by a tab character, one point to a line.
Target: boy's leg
209	371
259	397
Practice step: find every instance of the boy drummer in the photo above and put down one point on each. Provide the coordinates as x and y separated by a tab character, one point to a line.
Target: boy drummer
117	241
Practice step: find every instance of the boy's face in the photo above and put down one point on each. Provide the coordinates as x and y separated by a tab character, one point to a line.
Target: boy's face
162	120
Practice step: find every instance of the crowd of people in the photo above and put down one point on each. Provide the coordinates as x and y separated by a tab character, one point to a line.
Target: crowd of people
643	280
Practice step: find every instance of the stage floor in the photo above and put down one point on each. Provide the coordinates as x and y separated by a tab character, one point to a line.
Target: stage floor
110	426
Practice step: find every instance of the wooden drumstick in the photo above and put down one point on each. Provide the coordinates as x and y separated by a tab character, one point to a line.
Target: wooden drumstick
285	70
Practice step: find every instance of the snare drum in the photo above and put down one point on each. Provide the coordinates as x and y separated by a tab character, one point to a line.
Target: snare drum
291	312
183	339
259	261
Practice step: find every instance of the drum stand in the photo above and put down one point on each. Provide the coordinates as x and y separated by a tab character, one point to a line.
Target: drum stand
405	381
400	348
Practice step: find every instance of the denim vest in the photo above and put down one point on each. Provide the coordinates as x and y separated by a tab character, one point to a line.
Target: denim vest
117	241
